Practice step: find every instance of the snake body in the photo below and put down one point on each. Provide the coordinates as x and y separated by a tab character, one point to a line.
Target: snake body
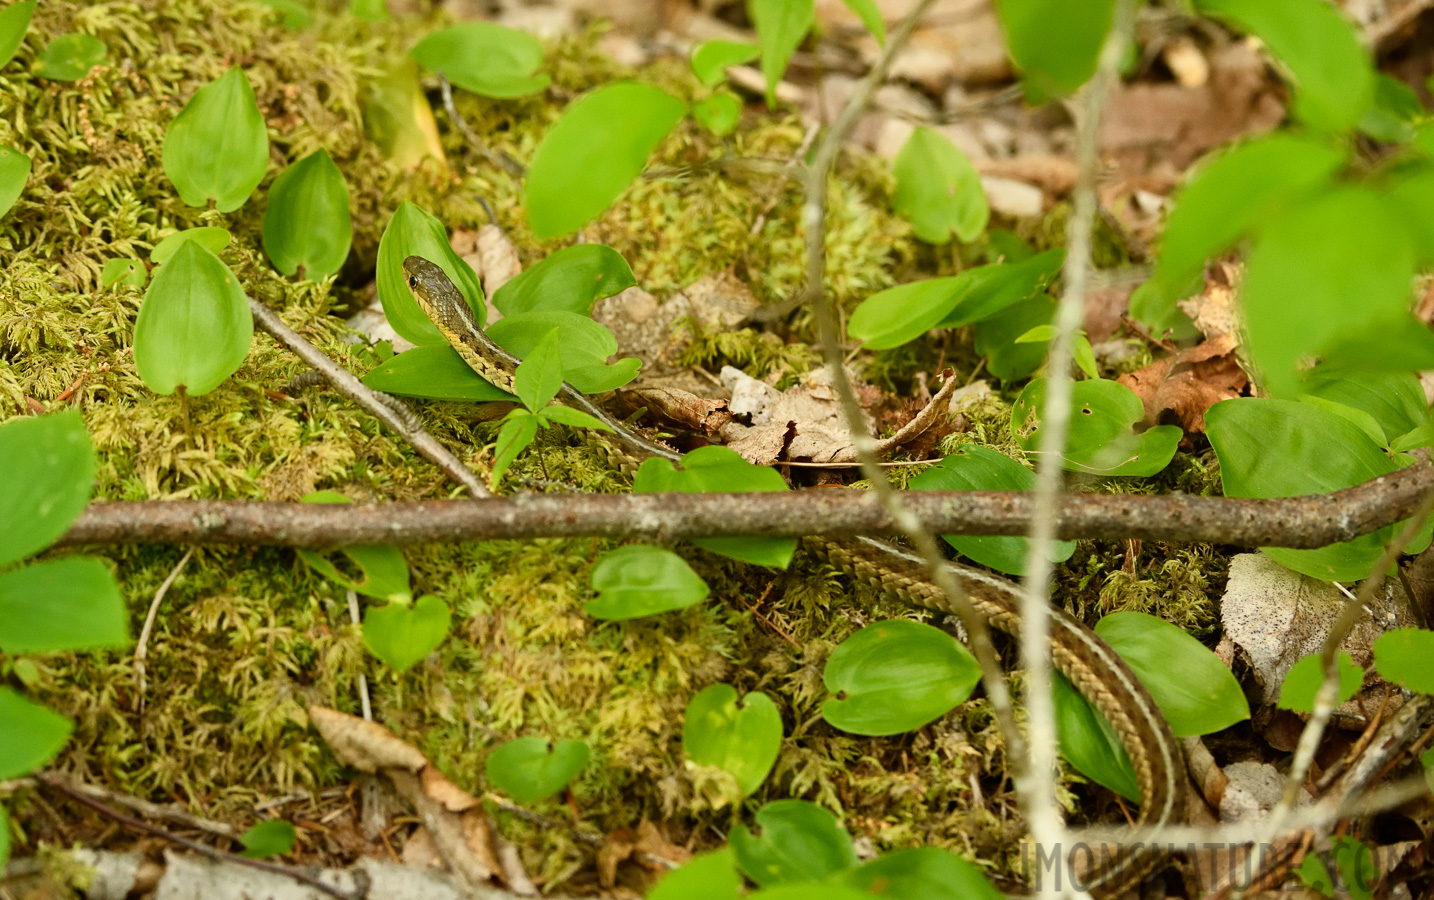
1091	665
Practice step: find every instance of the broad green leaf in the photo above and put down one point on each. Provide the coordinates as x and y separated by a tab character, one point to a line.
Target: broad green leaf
740	739
781	25
1280	448
433	373
896	676
570	279
383	571
1319	271
59	605
1194	690
1054	43
1412	191
400	634
1233	196
800	841
870	16
1100	439
930	873
584	348
1313	875
370	10
123	271
1303	680
398	119
530	769
719	470
70	57
1393	400
973	467
485	58
712	59
995	338
518	431
1395	112
593	153
573	418
719	113
995	288
210	237
14	172
194	326
273	837
540	374
413	232
709	876
938	190
14	20
1358	873
1320	50
49	465
901	314
1395	342
307	225
217	148
1402	656
30	734
638	580
1089	743
810	890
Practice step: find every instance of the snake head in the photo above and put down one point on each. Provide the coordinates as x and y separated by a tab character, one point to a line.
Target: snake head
437	296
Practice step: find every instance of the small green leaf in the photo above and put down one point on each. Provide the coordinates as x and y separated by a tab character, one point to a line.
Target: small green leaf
1084	355
1303	680
434	373
1394	400
14	172
781	26
123	271
712	59
638	580
30	734
1089	743
1395	113
1100	439
530	769
800	841
896	676
938	190
518	431
306	224
1402	656
210	237
485	58
870	16
373	11
273	837
709	876
413	232
540	374
1313	874
930	873
217	148
400	635
1358	874
573	418
297	16
49	466
70	57
593	153
719	113
742	740
1054	43
1041	334
384	570
194	326
58	605
994	338
585	347
14	20
571	279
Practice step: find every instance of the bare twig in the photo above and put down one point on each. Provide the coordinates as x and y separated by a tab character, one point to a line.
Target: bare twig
496	157
141	649
352	597
383	410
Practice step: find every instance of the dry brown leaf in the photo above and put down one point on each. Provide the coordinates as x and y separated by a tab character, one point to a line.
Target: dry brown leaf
1189	383
497	257
649	848
437	786
1214	311
678	407
366	746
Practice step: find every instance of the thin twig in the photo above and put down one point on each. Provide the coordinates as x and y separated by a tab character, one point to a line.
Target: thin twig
141	649
496	157
352	598
348	385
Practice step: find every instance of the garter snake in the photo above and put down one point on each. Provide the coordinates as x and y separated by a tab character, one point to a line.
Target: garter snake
1091	665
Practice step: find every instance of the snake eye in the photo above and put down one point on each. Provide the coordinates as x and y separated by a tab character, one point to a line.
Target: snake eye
413	281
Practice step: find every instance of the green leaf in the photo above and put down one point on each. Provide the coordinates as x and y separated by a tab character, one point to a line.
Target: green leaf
1395	112
373	11
709	876
217	148
517	433
930	873
938	190
712	59
1341	258
995	288
273	837
973	467
1084	355
530	769
1304	678
398	119
637	580
1280	448
1402	656
5	833
1320	50
593	153
810	891
870	16
14	20
571	279
400	635
800	841
719	470
1157	311
60	605
1235	195
211	238
1100	438
1313	875
123	271
413	232
994	338
742	740
585	347
540	374
573	418
433	373
1089	743
1412	191
1358	874
384	571
306	224
30	734
70	57
49	465
901	314
14	172
485	58
1194	690
1054	43
896	676
1392	400
719	113
297	16
194	326
781	25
